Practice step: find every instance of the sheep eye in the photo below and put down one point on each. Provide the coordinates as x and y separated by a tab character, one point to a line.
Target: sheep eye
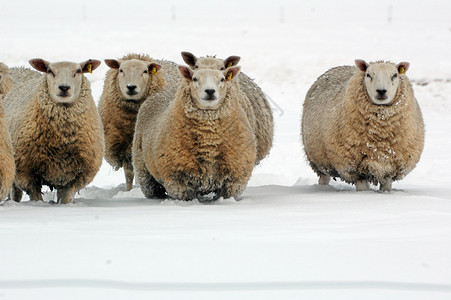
222	79
51	72
145	72
194	79
78	71
222	68
369	76
394	76
196	66
120	70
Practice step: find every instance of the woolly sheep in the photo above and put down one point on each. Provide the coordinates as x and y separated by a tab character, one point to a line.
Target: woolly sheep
363	125
128	83
14	76
255	102
55	129
7	166
196	145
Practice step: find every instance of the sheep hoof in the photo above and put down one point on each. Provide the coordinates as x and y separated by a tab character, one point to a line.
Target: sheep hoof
36	194
385	187
66	195
128	171
324	179
362	185
16	194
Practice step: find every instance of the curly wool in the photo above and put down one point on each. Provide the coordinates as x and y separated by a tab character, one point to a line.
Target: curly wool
7	165
55	144
6	83
345	135
119	116
190	152
255	103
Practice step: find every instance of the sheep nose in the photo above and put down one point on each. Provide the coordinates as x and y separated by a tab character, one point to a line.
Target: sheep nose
381	92
210	92
64	88
131	87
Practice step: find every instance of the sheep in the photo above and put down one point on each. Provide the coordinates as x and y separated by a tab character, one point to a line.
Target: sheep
128	83
55	129
14	76
197	145
7	166
363	125
255	102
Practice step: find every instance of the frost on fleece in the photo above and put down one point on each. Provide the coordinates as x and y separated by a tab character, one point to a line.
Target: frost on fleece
345	135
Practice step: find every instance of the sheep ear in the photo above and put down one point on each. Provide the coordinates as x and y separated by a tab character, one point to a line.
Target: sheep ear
403	67
112	63
361	65
186	72
89	65
39	64
231	73
231	61
154	68
189	58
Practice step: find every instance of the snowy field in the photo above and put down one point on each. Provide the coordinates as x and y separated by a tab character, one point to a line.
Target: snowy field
287	237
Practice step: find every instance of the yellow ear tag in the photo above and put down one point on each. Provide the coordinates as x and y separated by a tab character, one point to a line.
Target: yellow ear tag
229	76
154	70
89	67
402	70
229	64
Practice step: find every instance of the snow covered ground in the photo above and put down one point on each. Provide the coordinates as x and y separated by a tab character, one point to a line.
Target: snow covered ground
287	237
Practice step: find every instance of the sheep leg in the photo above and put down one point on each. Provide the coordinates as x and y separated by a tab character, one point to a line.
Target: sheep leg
386	186
35	193
324	179
233	189
362	185
151	188
66	195
128	171
16	193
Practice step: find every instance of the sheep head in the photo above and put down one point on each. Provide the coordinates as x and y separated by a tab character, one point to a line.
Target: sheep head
381	80
64	79
208	86
209	62
133	76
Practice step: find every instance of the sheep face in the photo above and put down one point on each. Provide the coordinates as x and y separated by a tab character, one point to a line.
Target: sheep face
209	62
208	86
64	79
382	80
133	76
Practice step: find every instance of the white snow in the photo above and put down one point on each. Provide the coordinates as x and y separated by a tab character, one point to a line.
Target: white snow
287	237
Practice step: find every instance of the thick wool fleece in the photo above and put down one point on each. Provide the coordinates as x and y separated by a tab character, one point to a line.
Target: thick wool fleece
119	114
7	165
6	83
345	135
15	76
191	152
58	145
254	102
263	118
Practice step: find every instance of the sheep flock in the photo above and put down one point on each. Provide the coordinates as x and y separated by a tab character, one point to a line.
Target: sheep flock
196	131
